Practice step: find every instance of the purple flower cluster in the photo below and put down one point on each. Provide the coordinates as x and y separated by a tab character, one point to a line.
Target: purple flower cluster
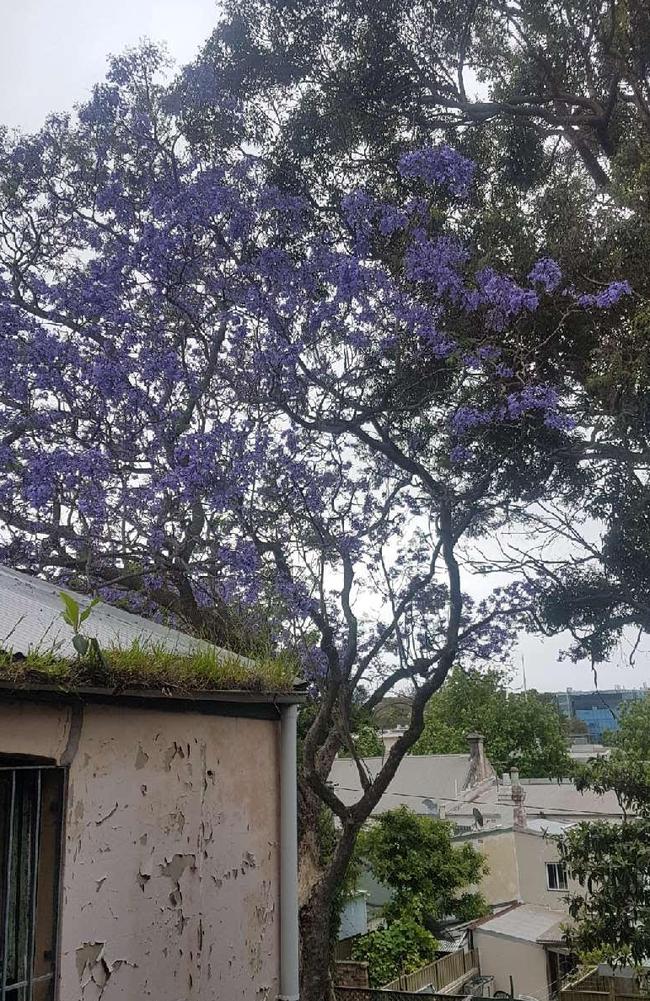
547	273
610	296
440	165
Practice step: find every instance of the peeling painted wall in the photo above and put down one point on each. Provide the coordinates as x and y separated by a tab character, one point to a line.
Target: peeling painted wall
171	868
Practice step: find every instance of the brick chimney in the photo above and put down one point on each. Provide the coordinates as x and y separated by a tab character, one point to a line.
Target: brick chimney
518	794
480	768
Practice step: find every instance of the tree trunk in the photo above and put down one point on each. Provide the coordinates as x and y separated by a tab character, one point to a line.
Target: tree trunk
315	957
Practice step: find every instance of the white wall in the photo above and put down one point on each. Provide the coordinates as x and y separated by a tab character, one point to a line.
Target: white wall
502	957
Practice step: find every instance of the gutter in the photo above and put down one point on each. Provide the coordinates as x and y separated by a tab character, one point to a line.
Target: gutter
289	935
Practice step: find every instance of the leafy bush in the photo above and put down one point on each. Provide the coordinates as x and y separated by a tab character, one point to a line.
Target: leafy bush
402	947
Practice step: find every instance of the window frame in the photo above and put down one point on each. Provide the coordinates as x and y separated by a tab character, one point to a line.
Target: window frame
20	797
559	868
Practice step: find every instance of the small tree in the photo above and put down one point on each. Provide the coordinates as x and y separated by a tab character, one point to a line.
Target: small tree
632	739
522	730
611	861
428	874
402	947
429	878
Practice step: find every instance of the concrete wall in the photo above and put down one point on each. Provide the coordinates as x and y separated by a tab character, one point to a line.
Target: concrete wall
501	885
533	851
171	865
502	957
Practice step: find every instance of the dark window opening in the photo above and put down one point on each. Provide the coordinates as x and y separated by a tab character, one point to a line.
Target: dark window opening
31	804
556	876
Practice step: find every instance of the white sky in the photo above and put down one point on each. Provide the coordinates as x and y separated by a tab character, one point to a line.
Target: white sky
51	53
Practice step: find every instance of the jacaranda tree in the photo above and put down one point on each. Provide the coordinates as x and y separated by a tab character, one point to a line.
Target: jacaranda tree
232	414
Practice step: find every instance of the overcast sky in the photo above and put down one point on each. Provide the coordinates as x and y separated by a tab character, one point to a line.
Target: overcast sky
51	53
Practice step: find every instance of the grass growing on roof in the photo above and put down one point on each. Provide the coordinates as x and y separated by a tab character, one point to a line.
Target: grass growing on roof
149	666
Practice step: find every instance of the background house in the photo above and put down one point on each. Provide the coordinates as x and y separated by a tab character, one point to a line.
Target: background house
522	949
141	834
513	822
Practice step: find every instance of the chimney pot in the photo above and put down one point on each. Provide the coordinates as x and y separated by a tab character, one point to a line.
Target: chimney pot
518	794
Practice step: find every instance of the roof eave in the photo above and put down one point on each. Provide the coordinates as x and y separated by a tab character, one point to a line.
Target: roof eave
218	703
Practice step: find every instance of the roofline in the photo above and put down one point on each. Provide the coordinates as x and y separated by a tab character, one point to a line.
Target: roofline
411	757
518	938
480	832
479	922
257	705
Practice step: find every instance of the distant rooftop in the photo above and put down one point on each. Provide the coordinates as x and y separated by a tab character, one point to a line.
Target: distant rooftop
526	922
422	782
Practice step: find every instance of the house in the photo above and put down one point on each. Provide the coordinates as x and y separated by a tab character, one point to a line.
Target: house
513	822
521	947
583	750
148	835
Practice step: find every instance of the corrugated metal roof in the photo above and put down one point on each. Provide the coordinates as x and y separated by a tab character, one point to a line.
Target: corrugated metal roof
548	800
30	620
527	922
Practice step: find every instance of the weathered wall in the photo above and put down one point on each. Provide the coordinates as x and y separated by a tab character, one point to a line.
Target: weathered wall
171	868
501	884
533	852
502	957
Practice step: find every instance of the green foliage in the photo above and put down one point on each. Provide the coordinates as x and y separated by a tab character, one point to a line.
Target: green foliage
367	742
522	731
428	874
87	647
402	947
632	738
611	862
72	612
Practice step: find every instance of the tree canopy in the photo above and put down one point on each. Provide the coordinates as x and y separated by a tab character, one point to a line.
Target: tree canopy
631	740
611	861
229	406
429	876
521	730
553	99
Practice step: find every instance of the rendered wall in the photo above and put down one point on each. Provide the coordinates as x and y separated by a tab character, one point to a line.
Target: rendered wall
171	867
502	957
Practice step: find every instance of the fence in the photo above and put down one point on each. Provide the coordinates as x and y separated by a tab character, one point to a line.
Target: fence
440	974
381	994
596	987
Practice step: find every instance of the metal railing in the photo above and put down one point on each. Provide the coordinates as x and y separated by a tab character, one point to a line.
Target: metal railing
30	805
